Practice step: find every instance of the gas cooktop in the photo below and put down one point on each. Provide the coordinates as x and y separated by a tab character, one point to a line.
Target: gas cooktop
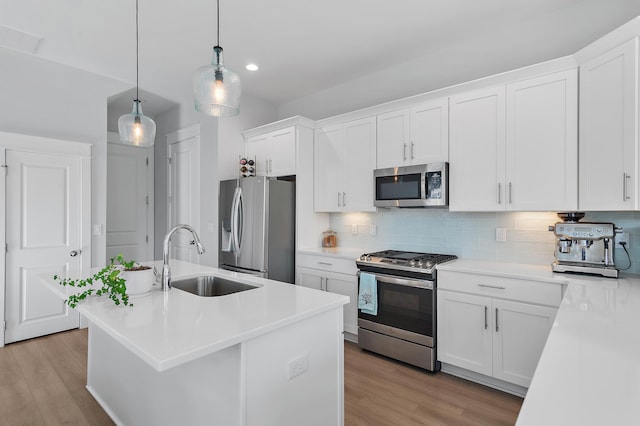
404	260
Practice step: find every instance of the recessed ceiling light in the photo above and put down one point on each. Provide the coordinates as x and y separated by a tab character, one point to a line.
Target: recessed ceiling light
252	67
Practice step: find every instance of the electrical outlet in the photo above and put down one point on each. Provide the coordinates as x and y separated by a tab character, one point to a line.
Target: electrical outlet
373	230
297	366
620	238
501	234
97	229
354	229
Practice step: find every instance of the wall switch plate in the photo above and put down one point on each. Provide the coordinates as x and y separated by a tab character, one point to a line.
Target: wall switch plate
297	366
211	227
373	230
501	235
624	237
97	229
354	229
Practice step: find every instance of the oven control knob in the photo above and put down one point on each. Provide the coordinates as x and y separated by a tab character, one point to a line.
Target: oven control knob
429	264
368	258
413	263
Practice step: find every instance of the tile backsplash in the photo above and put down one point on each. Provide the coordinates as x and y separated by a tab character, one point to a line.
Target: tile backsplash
473	235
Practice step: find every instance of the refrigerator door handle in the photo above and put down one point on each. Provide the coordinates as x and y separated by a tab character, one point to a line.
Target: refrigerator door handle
234	221
240	220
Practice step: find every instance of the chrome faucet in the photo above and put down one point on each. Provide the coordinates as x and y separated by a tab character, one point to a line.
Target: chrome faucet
165	279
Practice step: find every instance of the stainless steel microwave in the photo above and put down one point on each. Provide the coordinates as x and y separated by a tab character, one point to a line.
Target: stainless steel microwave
425	185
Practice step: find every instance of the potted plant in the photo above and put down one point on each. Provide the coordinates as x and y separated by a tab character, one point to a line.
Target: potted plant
120	279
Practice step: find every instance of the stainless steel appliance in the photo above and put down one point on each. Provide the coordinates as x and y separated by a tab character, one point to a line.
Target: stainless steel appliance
405	325
257	227
425	185
584	247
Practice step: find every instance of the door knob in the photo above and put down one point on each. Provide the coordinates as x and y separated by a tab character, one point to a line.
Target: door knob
73	253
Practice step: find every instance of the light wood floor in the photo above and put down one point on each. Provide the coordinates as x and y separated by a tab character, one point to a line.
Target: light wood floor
42	382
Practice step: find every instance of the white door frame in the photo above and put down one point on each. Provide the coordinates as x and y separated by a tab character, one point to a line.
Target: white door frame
114	138
179	135
37	144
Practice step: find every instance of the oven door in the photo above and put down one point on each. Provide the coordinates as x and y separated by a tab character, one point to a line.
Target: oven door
406	309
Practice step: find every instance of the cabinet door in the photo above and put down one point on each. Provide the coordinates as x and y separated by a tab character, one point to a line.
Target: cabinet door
327	161
464	331
358	163
310	278
477	146
257	148
282	152
430	132
608	140
520	332
347	285
542	143
393	141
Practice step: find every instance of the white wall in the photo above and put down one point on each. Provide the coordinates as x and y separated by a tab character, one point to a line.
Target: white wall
43	98
220	144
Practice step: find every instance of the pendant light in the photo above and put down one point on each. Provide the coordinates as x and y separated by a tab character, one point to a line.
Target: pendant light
136	128
216	88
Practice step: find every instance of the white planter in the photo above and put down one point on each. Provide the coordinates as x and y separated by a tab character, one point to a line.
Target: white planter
138	282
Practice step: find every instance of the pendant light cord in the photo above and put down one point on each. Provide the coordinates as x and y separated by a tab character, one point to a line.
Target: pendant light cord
137	59
218	15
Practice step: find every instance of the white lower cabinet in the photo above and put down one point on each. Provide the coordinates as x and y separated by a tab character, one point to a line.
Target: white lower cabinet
487	334
344	284
335	275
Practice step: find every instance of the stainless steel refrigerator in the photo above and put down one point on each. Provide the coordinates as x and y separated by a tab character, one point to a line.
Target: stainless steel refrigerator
257	227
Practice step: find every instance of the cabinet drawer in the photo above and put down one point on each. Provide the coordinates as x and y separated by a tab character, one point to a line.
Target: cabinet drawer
538	292
327	263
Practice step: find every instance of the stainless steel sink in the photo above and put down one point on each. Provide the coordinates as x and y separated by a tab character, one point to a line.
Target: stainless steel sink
209	285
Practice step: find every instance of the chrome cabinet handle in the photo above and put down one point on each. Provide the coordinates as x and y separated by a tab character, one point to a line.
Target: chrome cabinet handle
344	199
325	263
412	150
510	200
404	151
497	320
326	284
338	199
492	286
486	323
625	187
74	253
499	193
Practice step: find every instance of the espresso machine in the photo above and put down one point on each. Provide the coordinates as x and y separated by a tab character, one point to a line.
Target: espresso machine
584	247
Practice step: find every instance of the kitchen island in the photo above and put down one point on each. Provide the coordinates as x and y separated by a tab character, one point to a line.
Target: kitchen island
272	355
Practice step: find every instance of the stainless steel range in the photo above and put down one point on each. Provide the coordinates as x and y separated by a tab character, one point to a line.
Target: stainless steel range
404	326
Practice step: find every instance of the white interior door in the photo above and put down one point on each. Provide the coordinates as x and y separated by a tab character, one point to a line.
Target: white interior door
44	236
184	189
129	202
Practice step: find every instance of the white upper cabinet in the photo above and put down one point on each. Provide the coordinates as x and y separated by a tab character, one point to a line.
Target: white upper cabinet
344	160
477	146
416	135
514	147
274	152
542	143
608	130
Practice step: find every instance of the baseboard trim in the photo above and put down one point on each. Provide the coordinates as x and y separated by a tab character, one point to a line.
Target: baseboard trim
484	380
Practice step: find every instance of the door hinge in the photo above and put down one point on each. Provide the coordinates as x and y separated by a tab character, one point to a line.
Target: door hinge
6	247
5	326
146	199
147	161
169	158
146	237
6	169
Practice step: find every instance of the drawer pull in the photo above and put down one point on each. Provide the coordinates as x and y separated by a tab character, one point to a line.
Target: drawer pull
492	286
325	263
485	318
497	329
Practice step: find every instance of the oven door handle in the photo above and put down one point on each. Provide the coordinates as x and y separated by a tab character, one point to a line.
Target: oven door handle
407	282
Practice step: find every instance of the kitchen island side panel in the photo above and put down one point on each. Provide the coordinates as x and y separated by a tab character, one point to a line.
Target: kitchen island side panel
202	391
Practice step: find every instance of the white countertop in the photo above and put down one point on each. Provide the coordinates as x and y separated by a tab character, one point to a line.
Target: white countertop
589	371
168	329
351	253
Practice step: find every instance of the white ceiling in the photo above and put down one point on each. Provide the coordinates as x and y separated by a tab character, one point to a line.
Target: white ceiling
303	47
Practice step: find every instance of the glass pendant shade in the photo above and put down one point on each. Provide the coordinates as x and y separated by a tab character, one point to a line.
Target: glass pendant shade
136	128
216	88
